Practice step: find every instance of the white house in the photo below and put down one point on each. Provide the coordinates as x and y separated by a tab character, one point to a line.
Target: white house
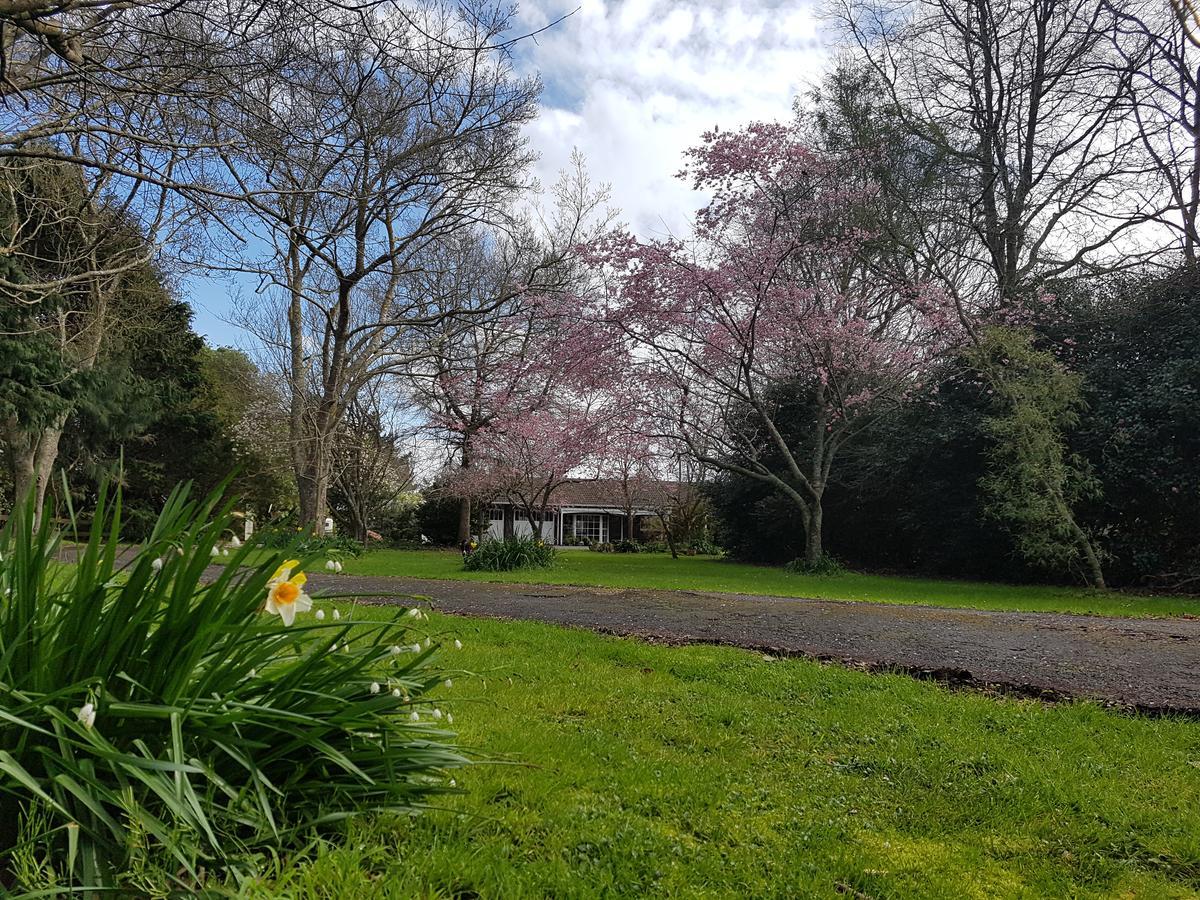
595	509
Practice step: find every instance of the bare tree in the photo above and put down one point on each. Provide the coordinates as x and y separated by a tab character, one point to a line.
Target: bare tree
1164	66
1029	101
389	133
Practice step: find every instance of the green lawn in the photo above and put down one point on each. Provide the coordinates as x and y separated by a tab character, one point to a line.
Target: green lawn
656	570
633	770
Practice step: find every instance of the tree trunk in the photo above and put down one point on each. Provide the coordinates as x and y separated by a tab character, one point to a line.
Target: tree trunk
1095	573
464	519
358	515
32	455
667	534
313	468
464	505
813	547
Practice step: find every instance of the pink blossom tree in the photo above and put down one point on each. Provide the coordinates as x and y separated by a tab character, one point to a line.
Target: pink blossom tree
526	405
776	334
525	458
520	338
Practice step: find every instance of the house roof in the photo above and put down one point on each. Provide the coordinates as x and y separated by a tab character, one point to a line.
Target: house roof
610	493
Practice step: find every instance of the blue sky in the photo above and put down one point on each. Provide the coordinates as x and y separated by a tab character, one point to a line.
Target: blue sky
632	84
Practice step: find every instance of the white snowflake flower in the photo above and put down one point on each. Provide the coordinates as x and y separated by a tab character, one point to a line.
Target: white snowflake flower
86	715
375	688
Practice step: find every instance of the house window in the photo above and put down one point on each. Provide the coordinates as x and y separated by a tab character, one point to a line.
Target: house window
587	525
496	514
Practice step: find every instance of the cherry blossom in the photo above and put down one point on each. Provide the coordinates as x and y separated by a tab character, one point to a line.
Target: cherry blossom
782	306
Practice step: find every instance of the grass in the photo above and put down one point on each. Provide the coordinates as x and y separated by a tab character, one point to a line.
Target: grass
635	770
698	573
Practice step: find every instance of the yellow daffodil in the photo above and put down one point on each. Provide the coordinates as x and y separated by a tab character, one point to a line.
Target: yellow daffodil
285	592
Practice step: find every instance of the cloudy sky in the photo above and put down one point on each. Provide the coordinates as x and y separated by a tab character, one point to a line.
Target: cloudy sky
632	84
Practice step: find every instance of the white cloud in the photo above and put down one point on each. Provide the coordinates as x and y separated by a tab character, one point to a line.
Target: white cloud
634	83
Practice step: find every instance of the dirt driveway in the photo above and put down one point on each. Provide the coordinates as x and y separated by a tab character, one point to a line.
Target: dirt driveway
1147	664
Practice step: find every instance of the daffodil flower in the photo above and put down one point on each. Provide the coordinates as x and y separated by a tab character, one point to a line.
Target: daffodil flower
285	594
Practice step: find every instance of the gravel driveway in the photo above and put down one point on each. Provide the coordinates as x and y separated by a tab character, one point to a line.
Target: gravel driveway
1146	664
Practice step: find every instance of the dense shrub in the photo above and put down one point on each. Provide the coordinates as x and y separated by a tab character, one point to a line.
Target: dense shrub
705	547
627	546
598	547
398	526
1136	341
158	727
437	516
655	547
826	565
275	538
509	555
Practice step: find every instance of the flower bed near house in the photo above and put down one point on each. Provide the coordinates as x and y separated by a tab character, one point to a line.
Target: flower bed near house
158	728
